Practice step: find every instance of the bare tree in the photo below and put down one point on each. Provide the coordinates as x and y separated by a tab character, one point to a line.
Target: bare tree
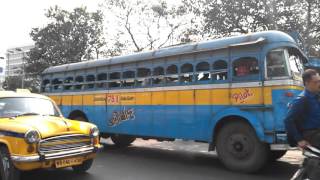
147	25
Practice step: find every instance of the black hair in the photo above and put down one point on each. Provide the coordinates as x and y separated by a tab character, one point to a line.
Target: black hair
307	75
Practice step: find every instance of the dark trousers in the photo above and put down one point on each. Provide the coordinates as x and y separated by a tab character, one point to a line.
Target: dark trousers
313	137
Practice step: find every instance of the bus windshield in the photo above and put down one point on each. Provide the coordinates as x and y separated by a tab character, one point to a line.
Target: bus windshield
282	62
295	62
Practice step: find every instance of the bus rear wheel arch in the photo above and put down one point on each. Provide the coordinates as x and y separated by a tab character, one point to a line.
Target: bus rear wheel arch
78	115
239	148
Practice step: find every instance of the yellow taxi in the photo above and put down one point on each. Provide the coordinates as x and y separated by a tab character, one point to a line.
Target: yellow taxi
35	135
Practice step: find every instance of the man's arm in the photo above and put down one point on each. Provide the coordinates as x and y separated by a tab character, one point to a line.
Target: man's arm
296	110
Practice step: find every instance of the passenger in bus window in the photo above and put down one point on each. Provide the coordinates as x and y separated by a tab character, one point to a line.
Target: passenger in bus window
242	69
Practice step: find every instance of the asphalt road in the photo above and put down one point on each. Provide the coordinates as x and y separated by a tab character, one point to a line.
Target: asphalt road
151	160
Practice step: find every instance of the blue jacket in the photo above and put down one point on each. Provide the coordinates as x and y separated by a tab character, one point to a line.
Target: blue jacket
307	107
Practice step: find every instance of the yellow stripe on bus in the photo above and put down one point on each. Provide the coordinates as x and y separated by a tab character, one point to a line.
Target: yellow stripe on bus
234	96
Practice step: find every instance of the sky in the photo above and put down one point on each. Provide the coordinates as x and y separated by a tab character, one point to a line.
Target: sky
18	17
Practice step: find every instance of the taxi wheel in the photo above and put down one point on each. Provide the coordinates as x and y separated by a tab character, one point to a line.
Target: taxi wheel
239	149
122	140
82	168
8	171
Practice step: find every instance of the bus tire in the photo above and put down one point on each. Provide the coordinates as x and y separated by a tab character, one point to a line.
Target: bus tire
82	168
275	155
7	169
122	140
239	149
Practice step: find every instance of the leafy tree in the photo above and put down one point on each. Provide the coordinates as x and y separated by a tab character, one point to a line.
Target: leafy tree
68	37
229	17
15	82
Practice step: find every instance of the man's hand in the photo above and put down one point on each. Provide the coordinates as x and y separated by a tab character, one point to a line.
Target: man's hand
303	144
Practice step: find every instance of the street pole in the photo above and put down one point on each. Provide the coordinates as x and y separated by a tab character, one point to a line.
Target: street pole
22	79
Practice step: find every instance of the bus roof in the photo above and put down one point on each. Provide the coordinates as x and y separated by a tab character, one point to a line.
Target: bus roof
253	38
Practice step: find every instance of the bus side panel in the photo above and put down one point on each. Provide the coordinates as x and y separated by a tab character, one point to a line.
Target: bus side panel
172	113
188	127
66	103
100	112
143	114
280	104
203	112
159	126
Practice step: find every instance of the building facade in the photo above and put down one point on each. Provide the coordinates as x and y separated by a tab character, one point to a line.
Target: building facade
16	60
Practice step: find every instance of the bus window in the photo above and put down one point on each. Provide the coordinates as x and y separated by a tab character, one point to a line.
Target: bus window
158	74
202	70
186	75
101	77
90	78
220	70
57	84
296	62
245	66
68	83
172	74
46	85
276	63
78	82
143	77
128	77
115	80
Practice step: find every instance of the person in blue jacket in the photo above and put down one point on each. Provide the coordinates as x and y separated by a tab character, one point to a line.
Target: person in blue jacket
303	118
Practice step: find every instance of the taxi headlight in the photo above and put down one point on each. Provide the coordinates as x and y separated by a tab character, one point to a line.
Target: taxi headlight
94	132
32	136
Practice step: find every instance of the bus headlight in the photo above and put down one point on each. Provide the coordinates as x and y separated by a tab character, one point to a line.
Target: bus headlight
94	132
32	136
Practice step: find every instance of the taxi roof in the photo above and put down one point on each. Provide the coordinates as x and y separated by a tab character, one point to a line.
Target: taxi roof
4	94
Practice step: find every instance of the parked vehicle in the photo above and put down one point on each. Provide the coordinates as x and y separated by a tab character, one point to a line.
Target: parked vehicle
35	135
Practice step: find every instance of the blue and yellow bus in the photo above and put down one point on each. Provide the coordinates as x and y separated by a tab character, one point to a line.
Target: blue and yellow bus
231	93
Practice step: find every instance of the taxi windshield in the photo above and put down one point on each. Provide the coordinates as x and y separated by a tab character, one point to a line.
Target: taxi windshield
22	106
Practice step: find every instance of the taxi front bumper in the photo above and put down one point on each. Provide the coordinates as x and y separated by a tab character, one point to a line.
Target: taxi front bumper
57	155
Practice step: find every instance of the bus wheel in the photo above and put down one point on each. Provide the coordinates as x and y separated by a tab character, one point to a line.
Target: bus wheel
122	140
239	148
275	155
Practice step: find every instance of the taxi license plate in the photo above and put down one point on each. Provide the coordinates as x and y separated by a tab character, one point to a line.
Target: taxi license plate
68	162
